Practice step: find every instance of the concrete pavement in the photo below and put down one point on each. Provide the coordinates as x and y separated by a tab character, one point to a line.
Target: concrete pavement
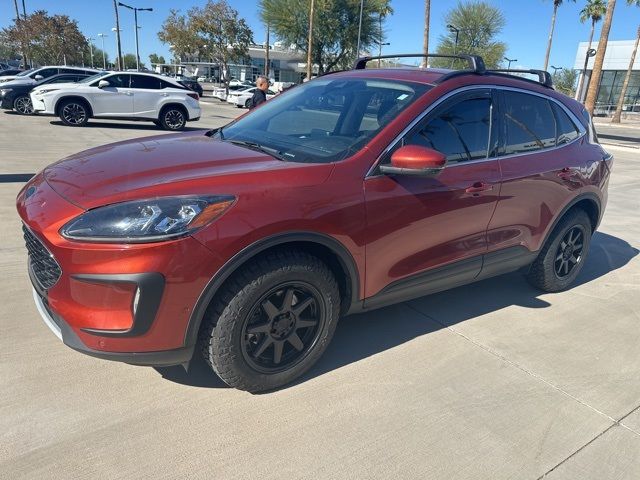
490	381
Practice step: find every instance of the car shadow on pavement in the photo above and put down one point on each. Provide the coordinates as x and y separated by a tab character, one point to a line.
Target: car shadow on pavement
141	125
360	336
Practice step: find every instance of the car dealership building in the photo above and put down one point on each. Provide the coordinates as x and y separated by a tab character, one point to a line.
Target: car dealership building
614	69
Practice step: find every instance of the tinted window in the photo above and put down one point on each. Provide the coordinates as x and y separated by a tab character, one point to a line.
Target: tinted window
530	123
164	84
567	130
118	81
460	131
144	81
64	79
45	72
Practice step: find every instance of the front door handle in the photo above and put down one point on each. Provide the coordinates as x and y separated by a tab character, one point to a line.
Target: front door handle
479	187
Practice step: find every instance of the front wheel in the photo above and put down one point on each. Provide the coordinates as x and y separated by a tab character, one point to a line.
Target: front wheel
271	322
23	105
74	113
173	118
563	256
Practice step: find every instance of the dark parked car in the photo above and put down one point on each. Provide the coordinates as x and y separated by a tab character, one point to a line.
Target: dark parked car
192	84
353	191
16	96
10	71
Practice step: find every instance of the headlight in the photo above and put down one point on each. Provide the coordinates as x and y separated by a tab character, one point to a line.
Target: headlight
46	90
4	91
151	220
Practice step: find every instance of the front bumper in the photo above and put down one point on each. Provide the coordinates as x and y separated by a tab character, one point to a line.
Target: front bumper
40	104
6	102
130	303
62	330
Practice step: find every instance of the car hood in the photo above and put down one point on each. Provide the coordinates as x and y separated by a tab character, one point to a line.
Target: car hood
178	164
16	81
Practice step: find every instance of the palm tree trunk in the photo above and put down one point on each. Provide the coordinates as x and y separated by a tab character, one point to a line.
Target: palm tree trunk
553	25
625	84
425	44
584	70
594	82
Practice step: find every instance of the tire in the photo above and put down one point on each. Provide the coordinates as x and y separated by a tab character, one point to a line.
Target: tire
22	105
173	118
286	302
247	104
73	113
564	254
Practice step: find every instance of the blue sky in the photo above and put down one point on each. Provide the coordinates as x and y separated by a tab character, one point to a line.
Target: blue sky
525	33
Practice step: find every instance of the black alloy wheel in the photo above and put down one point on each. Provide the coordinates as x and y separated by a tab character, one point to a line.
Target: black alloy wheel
74	114
283	327
569	251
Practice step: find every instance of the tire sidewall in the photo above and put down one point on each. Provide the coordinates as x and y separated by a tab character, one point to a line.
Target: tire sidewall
580	219
228	335
163	116
15	102
71	102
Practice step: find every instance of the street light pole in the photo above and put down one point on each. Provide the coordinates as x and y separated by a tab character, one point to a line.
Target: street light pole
510	60
590	53
104	59
452	29
117	31
89	39
555	69
380	44
135	15
359	29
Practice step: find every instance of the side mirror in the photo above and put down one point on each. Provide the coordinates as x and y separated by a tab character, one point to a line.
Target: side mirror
103	84
415	160
38	77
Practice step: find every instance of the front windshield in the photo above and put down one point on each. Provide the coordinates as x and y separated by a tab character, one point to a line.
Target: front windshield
26	72
93	77
325	120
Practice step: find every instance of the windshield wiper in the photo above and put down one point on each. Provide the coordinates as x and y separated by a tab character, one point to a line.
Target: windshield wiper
260	148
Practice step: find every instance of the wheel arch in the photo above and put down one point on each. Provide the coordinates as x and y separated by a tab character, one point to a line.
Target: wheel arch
79	98
173	103
589	202
332	252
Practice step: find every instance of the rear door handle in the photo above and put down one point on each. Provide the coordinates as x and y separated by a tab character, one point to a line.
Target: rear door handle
479	187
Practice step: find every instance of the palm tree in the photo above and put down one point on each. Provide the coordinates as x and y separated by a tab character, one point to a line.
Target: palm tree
596	73
427	14
594	11
625	84
384	12
556	4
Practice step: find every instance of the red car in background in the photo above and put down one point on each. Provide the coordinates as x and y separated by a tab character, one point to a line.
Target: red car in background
353	191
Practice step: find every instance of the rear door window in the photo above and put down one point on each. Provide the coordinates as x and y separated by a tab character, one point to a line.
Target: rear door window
144	81
567	130
529	123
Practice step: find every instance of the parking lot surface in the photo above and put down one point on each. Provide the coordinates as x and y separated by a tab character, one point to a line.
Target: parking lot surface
493	380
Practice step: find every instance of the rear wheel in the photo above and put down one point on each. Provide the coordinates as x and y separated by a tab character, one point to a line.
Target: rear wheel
22	105
173	118
563	256
247	104
271	322
74	113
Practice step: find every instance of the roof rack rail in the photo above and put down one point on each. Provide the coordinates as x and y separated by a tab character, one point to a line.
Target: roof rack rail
544	77
476	64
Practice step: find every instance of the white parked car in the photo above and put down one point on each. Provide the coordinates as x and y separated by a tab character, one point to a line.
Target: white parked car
34	75
221	93
131	96
242	98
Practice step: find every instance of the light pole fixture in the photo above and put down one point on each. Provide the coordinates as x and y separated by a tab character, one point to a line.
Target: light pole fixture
135	15
456	30
555	69
104	59
120	57
590	53
510	60
90	40
359	29
380	45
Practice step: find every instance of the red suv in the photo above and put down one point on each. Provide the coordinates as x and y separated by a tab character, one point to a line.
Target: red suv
353	191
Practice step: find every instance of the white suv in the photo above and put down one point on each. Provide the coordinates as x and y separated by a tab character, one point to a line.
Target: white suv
119	95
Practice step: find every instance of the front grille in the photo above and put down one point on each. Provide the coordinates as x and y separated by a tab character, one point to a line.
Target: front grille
41	261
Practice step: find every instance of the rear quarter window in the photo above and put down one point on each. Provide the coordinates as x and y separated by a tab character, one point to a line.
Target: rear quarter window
530	123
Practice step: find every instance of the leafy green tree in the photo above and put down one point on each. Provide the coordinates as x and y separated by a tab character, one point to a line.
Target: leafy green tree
556	4
564	80
479	24
129	61
178	32
97	57
335	28
52	39
155	59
